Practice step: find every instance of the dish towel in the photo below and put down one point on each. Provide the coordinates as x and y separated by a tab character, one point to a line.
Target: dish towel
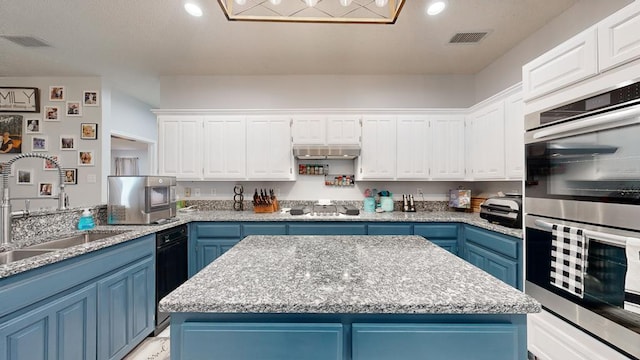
568	259
632	279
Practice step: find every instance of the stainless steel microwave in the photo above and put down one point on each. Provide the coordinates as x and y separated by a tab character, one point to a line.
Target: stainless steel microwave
140	199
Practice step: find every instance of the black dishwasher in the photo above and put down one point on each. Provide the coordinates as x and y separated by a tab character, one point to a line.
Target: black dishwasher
171	267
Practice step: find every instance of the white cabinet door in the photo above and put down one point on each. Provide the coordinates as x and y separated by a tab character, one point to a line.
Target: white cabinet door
309	129
412	148
619	37
377	159
180	146
269	155
572	61
343	129
447	147
514	136
487	142
224	147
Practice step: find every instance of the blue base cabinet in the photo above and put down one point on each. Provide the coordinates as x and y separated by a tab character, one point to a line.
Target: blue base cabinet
447	236
62	329
348	336
436	341
250	341
126	304
499	255
98	305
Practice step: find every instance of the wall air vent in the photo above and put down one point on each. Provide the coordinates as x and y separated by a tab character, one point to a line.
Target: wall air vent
26	41
468	37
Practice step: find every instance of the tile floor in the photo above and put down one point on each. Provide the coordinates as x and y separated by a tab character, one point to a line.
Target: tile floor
152	348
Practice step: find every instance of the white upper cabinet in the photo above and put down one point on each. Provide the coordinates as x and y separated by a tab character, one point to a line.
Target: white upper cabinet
269	155
224	147
180	146
377	160
514	136
413	147
486	138
326	130
570	62
619	37
343	129
309	129
447	147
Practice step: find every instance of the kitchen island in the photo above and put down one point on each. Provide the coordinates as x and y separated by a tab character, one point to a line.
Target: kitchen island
345	297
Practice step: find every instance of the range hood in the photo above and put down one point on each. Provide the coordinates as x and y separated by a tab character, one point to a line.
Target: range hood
329	152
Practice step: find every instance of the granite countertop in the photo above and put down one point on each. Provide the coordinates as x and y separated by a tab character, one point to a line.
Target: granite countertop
344	274
136	231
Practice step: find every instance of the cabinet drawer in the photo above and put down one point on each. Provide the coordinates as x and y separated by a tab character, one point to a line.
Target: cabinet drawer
390	229
218	230
436	341
436	231
327	229
264	229
250	341
501	244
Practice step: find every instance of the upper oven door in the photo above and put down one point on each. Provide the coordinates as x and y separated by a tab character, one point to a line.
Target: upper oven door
594	159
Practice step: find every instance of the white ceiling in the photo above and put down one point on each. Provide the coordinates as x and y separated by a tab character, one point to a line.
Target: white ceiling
133	42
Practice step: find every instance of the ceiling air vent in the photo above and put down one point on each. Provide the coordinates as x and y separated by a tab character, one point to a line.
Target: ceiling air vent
26	41
468	37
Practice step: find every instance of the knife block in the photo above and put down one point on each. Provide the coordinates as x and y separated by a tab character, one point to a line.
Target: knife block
274	207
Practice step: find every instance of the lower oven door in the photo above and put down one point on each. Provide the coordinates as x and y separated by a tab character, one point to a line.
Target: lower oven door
601	310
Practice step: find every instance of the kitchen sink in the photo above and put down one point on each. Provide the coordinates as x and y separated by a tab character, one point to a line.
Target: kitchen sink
73	240
16	255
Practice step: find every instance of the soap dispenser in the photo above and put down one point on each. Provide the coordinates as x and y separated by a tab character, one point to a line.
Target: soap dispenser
86	220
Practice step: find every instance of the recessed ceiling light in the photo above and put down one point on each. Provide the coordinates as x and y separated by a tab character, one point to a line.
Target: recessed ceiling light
436	7
193	9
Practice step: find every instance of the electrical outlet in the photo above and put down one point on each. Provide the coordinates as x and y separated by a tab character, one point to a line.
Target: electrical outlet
196	191
187	192
277	192
214	192
419	192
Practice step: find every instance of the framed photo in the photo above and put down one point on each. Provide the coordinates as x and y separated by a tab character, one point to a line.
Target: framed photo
48	165
25	177
67	142
19	99
70	176
51	113
3	165
90	98
45	189
11	134
74	108
86	158
89	131
39	143
57	93
33	126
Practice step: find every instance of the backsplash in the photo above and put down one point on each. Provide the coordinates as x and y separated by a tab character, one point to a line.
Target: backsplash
50	223
208	205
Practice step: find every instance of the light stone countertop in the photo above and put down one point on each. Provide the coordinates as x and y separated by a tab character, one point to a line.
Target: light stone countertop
136	231
344	275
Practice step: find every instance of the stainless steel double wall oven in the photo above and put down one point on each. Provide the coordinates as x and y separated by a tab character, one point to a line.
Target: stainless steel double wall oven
583	171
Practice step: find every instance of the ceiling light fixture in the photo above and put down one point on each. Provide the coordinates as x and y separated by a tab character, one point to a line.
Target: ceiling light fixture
193	9
316	11
381	3
436	7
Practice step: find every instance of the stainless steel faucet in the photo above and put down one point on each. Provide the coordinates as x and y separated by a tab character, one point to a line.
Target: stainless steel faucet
5	208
